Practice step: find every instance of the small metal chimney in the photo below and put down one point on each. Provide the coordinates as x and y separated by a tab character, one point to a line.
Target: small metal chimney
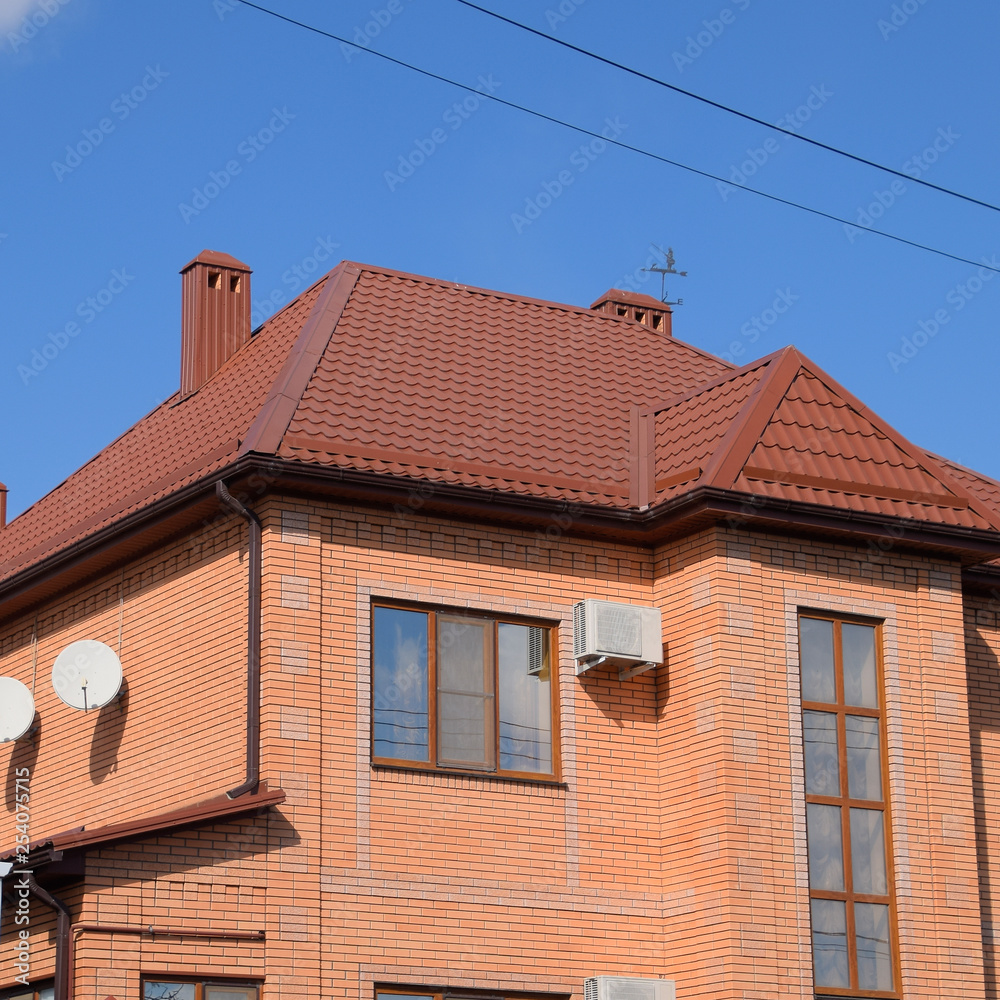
215	315
643	309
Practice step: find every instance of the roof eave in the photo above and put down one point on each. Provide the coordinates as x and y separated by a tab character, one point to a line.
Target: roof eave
216	809
177	512
887	532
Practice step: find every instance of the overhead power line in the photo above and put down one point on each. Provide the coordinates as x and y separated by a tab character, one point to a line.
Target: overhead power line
615	142
727	109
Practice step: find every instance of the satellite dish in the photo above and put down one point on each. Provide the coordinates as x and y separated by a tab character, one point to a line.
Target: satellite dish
87	674
17	709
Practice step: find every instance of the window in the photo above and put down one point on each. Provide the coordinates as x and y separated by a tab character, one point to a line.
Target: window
418	993
34	992
454	689
195	989
847	809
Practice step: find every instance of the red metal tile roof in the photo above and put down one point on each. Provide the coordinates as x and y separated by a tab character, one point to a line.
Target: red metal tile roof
177	443
690	429
398	374
783	428
466	386
218	808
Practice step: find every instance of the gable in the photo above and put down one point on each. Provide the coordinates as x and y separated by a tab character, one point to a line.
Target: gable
794	434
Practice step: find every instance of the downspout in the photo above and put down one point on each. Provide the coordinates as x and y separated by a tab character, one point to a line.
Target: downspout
62	983
253	641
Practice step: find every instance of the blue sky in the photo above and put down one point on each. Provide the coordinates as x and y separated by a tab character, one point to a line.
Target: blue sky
136	135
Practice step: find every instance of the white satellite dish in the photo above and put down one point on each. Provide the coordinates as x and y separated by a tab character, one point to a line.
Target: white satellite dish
17	709
87	674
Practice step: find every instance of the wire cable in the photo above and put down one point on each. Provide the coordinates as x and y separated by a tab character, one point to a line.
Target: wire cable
726	108
617	142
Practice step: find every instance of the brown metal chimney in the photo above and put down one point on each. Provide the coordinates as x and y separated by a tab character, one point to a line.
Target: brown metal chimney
643	309
215	315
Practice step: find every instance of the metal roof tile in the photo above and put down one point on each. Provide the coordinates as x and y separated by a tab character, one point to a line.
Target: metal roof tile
397	374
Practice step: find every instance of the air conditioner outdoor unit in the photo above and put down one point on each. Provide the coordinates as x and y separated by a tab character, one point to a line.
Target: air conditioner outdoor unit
606	630
617	988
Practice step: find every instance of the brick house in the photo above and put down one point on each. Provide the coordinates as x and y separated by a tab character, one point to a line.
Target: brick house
362	748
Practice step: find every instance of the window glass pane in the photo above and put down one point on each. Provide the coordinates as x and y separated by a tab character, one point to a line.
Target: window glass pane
868	852
168	991
822	761
871	929
826	855
864	762
525	706
465	691
816	637
230	992
464	730
462	655
858	644
46	994
400	724
403	996
829	931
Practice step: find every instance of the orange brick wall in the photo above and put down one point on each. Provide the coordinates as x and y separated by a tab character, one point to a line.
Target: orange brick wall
673	846
181	614
734	761
982	640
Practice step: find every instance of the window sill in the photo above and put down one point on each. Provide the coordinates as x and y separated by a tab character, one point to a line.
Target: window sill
485	776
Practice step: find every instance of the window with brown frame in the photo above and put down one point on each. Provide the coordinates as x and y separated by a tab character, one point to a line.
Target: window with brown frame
847	808
463	691
36	991
198	989
417	993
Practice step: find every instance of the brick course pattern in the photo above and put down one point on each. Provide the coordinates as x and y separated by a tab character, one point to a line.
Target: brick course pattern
671	845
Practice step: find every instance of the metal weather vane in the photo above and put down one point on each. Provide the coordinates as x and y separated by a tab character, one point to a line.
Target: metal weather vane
668	256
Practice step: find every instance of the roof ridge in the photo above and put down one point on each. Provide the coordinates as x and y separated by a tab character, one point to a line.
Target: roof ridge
276	412
959	465
548	303
475	289
723	469
97	454
924	459
291	303
714	383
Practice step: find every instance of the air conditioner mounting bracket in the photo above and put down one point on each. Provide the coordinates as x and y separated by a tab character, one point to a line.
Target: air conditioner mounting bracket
624	673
